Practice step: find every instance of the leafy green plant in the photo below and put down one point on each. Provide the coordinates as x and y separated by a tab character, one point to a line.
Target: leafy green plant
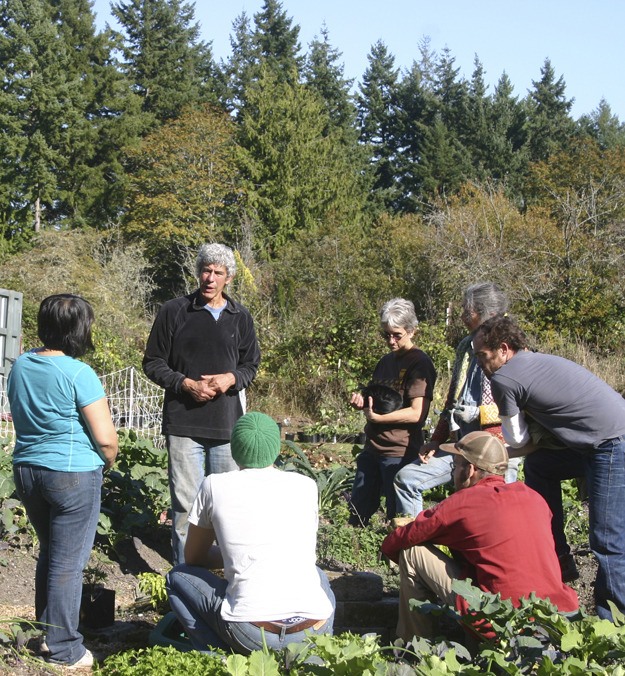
153	586
358	547
93	577
345	654
332	482
135	492
575	515
15	632
161	661
534	637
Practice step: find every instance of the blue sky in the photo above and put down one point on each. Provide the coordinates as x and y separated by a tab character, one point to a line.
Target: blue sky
583	39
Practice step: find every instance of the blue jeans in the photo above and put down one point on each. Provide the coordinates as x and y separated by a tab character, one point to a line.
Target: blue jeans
413	479
196	596
606	501
544	470
604	468
374	478
190	460
63	508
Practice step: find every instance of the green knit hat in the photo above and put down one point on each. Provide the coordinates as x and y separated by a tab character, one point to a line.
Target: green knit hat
255	440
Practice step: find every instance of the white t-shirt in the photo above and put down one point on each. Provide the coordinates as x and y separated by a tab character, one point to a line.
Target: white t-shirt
265	521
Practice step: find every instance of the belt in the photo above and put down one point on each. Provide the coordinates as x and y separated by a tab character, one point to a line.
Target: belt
278	628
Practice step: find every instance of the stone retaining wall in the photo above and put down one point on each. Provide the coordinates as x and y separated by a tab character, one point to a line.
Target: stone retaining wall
361	605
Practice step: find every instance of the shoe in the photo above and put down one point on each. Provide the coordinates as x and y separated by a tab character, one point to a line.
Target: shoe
568	568
85	661
43	646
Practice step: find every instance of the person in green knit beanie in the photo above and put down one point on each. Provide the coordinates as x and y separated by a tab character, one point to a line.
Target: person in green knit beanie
260	525
255	441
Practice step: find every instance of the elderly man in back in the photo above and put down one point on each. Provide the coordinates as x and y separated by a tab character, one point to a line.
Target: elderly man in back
499	535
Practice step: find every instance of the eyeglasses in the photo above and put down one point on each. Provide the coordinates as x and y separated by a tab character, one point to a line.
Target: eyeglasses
397	337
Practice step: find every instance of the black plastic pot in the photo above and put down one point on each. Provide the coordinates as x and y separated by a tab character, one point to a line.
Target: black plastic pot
97	607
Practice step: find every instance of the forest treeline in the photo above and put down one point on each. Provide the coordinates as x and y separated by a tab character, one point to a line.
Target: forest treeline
122	151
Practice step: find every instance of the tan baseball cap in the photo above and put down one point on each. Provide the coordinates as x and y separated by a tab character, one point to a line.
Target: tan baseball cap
481	449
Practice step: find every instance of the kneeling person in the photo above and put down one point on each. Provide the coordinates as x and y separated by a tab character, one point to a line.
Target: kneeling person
265	521
499	535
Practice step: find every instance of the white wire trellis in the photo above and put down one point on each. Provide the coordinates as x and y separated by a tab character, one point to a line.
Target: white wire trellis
136	404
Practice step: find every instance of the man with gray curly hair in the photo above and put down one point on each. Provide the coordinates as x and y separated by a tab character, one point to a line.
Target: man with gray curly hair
203	351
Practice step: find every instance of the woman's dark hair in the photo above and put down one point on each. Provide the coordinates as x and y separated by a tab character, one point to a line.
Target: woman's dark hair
502	329
64	323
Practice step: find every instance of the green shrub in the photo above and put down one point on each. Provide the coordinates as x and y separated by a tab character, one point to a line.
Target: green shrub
339	543
161	661
153	586
135	492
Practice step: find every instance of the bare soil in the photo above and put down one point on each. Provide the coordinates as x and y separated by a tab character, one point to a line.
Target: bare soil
134	617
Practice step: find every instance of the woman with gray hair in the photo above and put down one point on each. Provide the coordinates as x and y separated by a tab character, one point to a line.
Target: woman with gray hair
469	406
395	437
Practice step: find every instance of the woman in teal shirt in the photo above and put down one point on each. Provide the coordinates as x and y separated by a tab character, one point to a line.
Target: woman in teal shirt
64	437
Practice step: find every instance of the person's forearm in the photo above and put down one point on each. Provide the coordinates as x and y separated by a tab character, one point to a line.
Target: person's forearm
109	453
209	558
521	451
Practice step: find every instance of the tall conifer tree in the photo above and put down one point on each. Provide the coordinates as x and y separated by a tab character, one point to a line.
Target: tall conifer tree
168	65
326	76
377	118
549	125
60	98
296	176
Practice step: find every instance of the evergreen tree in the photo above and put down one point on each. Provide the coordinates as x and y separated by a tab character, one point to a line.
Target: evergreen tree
451	93
325	75
377	118
276	40
271	43
416	112
507	154
110	117
239	69
61	100
603	126
444	164
296	176
168	65
549	125
476	129
445	161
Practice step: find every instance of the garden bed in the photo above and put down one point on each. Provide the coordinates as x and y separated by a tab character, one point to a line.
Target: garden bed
341	549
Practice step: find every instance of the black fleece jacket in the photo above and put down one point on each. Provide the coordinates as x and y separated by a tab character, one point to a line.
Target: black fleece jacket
187	342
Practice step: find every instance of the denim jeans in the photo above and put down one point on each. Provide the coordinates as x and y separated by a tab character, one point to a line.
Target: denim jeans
606	501
196	596
63	508
413	479
374	478
544	470
604	468
190	460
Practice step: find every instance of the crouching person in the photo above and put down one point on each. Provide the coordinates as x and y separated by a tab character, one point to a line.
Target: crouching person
499	535
265	523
